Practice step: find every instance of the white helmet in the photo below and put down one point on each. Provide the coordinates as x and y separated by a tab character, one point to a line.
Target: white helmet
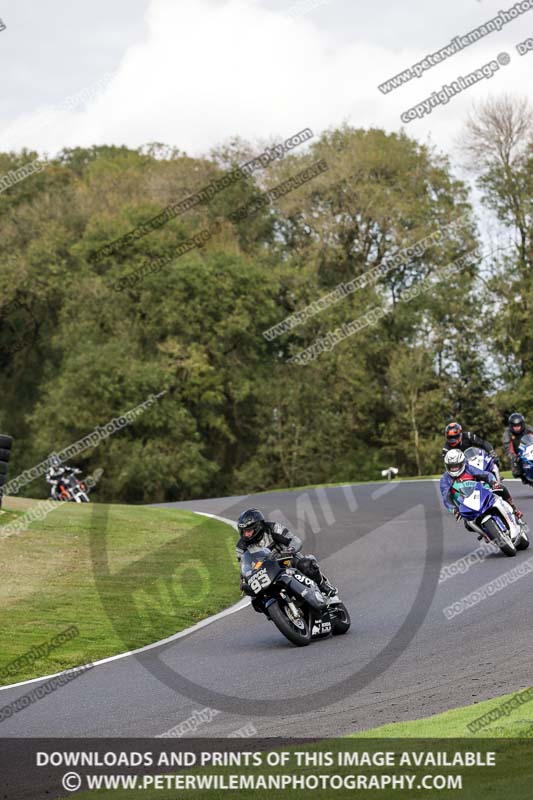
455	462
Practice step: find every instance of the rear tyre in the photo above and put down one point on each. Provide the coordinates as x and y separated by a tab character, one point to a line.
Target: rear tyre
300	636
523	544
341	623
502	540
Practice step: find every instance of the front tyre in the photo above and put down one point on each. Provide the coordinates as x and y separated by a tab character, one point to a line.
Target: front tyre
341	623
502	539
296	631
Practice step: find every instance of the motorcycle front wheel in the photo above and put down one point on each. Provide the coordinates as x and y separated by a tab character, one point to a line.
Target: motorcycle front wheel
502	540
299	633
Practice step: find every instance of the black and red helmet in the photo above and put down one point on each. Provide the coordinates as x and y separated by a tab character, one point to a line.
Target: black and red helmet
517	423
251	525
454	434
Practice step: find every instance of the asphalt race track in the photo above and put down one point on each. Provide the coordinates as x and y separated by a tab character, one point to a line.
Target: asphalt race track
384	546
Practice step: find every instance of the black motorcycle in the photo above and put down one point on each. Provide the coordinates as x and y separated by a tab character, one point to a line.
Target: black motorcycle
290	599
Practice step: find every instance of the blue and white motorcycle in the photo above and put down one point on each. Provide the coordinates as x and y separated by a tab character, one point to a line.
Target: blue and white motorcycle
490	516
480	458
525	452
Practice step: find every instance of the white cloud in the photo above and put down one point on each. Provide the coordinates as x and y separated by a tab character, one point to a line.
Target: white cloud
211	69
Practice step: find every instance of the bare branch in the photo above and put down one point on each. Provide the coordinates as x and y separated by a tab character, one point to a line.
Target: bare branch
498	130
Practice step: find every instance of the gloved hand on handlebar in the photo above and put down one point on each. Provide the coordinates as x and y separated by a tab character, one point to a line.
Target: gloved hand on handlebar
245	588
496	487
289	551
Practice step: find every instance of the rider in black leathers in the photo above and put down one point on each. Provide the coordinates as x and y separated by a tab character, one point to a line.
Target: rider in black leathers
456	437
256	532
511	439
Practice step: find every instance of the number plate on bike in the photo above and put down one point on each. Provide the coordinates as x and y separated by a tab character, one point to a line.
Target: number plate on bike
473	500
260	581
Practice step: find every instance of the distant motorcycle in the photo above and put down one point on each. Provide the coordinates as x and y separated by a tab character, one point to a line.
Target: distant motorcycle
72	490
291	600
491	517
525	454
480	458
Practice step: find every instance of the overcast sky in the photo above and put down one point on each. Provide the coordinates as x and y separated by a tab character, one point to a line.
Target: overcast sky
192	73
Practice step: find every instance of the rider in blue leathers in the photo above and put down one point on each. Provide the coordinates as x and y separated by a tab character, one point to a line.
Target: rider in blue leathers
459	469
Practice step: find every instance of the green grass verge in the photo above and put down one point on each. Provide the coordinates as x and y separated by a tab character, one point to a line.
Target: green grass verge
124	576
6	517
454	724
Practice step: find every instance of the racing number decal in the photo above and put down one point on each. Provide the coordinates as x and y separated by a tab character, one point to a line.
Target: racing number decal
260	581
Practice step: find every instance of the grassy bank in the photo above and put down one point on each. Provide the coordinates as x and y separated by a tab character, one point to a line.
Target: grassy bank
123	576
505	723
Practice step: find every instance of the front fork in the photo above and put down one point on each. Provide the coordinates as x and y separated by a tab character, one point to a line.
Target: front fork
291	605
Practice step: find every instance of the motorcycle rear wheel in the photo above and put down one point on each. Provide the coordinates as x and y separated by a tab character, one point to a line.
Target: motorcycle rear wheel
341	624
523	544
298	636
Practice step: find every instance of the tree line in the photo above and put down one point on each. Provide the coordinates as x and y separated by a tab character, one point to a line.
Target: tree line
81	342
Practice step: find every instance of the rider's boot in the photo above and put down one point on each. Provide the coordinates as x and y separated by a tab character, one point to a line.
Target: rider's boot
327	588
518	514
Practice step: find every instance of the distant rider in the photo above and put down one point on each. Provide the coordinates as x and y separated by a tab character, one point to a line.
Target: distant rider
456	438
459	469
55	474
256	532
511	441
